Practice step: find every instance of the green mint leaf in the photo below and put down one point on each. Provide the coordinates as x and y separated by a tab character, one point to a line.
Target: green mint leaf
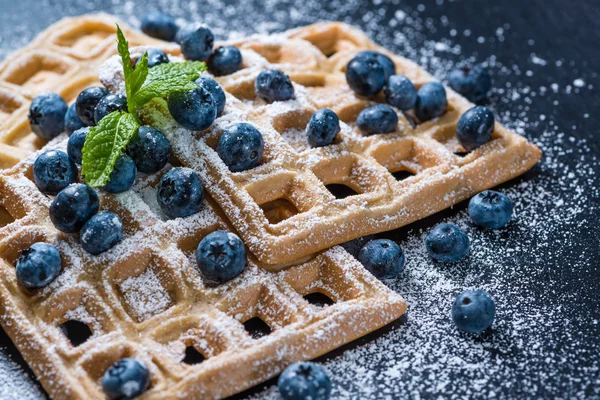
134	78
104	144
123	49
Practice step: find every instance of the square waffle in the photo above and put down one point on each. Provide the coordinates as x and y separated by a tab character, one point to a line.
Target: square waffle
283	208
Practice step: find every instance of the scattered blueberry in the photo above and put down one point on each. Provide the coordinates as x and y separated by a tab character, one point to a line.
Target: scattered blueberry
149	149
109	104
224	60
473	83
365	75
101	232
38	265
400	92
75	144
126	379
87	101
215	90
240	147
123	175
383	258
304	380
475	127
196	42
473	311
221	256
273	85
73	207
447	243
159	25
72	121
431	101
180	193
389	68
47	115
193	109
322	128
490	209
155	57
377	119
53	171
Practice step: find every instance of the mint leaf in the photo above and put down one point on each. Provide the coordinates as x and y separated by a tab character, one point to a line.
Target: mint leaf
104	144
134	78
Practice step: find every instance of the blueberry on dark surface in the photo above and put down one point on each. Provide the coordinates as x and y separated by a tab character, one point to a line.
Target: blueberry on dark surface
383	258
196	41
101	232
365	75
87	101
53	171
180	193
224	60
431	101
447	243
155	57
490	209
75	144
400	92
389	68
273	85
221	256
473	83
73	207
47	115
473	311
72	121
193	109
39	265
304	380
109	104
322	128
149	149
215	90
123	175
159	25
377	119
240	147
475	127
126	379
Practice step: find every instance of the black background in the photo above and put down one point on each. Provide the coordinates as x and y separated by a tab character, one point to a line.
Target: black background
554	30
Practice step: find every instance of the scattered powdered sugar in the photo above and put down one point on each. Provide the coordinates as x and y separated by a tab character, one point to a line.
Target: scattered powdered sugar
145	295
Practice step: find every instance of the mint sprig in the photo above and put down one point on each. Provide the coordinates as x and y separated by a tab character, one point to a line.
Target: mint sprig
105	141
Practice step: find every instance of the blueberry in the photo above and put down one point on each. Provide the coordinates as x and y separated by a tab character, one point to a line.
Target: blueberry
473	311
383	258
322	128
109	104
221	256
196	42
87	101
149	149
159	25
389	68
215	90
475	127
273	85
447	243
72	121
240	147
400	92
431	101
73	207
53	171
365	75
38	265
123	175
155	57
75	144
101	232
47	115
490	209
224	60
473	83
126	379
377	119
193	109
180	193
304	380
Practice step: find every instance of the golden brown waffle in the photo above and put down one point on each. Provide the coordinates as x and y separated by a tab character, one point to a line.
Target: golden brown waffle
282	208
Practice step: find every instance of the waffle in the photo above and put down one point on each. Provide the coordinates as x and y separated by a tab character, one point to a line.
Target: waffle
396	178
